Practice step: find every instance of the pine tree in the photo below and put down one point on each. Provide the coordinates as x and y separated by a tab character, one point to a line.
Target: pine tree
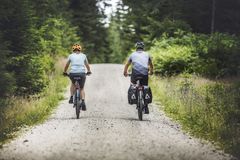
89	19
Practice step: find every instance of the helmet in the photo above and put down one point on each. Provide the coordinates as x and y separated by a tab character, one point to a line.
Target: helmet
139	45
76	47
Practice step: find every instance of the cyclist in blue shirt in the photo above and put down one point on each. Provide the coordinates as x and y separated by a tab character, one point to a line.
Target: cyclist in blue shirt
141	66
79	62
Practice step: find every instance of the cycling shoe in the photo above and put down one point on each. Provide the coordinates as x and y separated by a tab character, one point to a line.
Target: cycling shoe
83	106
146	110
70	100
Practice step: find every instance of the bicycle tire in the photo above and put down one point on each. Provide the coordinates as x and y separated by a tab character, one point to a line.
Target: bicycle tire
78	111
140	106
78	105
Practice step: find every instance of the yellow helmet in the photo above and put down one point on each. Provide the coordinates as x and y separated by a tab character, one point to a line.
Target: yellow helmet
76	47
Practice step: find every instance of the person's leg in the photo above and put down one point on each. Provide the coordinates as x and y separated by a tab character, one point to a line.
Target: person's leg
72	89
82	92
82	83
146	110
133	79
145	83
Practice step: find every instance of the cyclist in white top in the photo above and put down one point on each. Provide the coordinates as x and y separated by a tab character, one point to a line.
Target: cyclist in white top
78	61
141	66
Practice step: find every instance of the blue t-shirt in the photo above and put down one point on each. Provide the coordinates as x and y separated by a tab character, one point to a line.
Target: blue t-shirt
140	61
77	61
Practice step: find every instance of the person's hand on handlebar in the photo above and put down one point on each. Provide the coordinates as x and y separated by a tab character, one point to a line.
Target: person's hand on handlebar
65	74
125	74
150	72
88	73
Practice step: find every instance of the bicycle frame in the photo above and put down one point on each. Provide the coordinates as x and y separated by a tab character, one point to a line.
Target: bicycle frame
77	95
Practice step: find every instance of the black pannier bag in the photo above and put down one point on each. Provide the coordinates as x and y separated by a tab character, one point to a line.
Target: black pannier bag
132	94
147	94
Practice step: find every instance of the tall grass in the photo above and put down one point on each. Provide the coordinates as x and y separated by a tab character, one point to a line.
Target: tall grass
16	112
206	108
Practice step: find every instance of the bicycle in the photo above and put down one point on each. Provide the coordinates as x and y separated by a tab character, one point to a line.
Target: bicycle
77	100
140	97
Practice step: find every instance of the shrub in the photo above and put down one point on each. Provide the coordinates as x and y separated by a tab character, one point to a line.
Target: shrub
214	55
172	59
32	72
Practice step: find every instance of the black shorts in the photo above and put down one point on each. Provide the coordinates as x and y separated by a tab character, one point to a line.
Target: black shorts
143	79
82	78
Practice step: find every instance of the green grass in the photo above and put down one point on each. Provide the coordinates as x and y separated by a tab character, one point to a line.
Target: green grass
17	112
207	109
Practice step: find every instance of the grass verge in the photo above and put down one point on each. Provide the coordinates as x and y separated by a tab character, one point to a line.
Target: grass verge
207	109
17	112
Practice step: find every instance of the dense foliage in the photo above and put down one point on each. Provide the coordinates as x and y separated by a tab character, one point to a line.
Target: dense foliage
150	18
213	55
34	33
88	18
184	35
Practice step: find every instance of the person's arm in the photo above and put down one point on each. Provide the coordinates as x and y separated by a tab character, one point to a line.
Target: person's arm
88	68
126	68
150	66
66	66
87	65
125	72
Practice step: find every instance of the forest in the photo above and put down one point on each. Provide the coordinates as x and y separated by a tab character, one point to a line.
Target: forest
192	42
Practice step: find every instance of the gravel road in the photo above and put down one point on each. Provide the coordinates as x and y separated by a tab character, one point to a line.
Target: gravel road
108	130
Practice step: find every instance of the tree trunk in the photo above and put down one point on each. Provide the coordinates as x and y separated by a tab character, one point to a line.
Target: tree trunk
213	16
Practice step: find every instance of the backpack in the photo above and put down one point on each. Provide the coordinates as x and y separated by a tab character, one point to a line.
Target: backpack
132	94
147	93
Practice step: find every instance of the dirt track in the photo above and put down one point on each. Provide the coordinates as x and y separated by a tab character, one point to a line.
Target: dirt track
109	129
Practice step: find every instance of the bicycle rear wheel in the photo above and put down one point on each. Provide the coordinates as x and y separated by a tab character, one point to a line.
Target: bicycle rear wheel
140	114
78	111
140	106
78	104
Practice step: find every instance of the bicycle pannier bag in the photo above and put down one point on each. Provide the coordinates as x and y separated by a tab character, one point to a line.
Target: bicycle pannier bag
147	94
132	94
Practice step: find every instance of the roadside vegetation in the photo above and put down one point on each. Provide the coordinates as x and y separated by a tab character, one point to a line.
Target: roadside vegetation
33	35
206	108
214	56
17	112
199	84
